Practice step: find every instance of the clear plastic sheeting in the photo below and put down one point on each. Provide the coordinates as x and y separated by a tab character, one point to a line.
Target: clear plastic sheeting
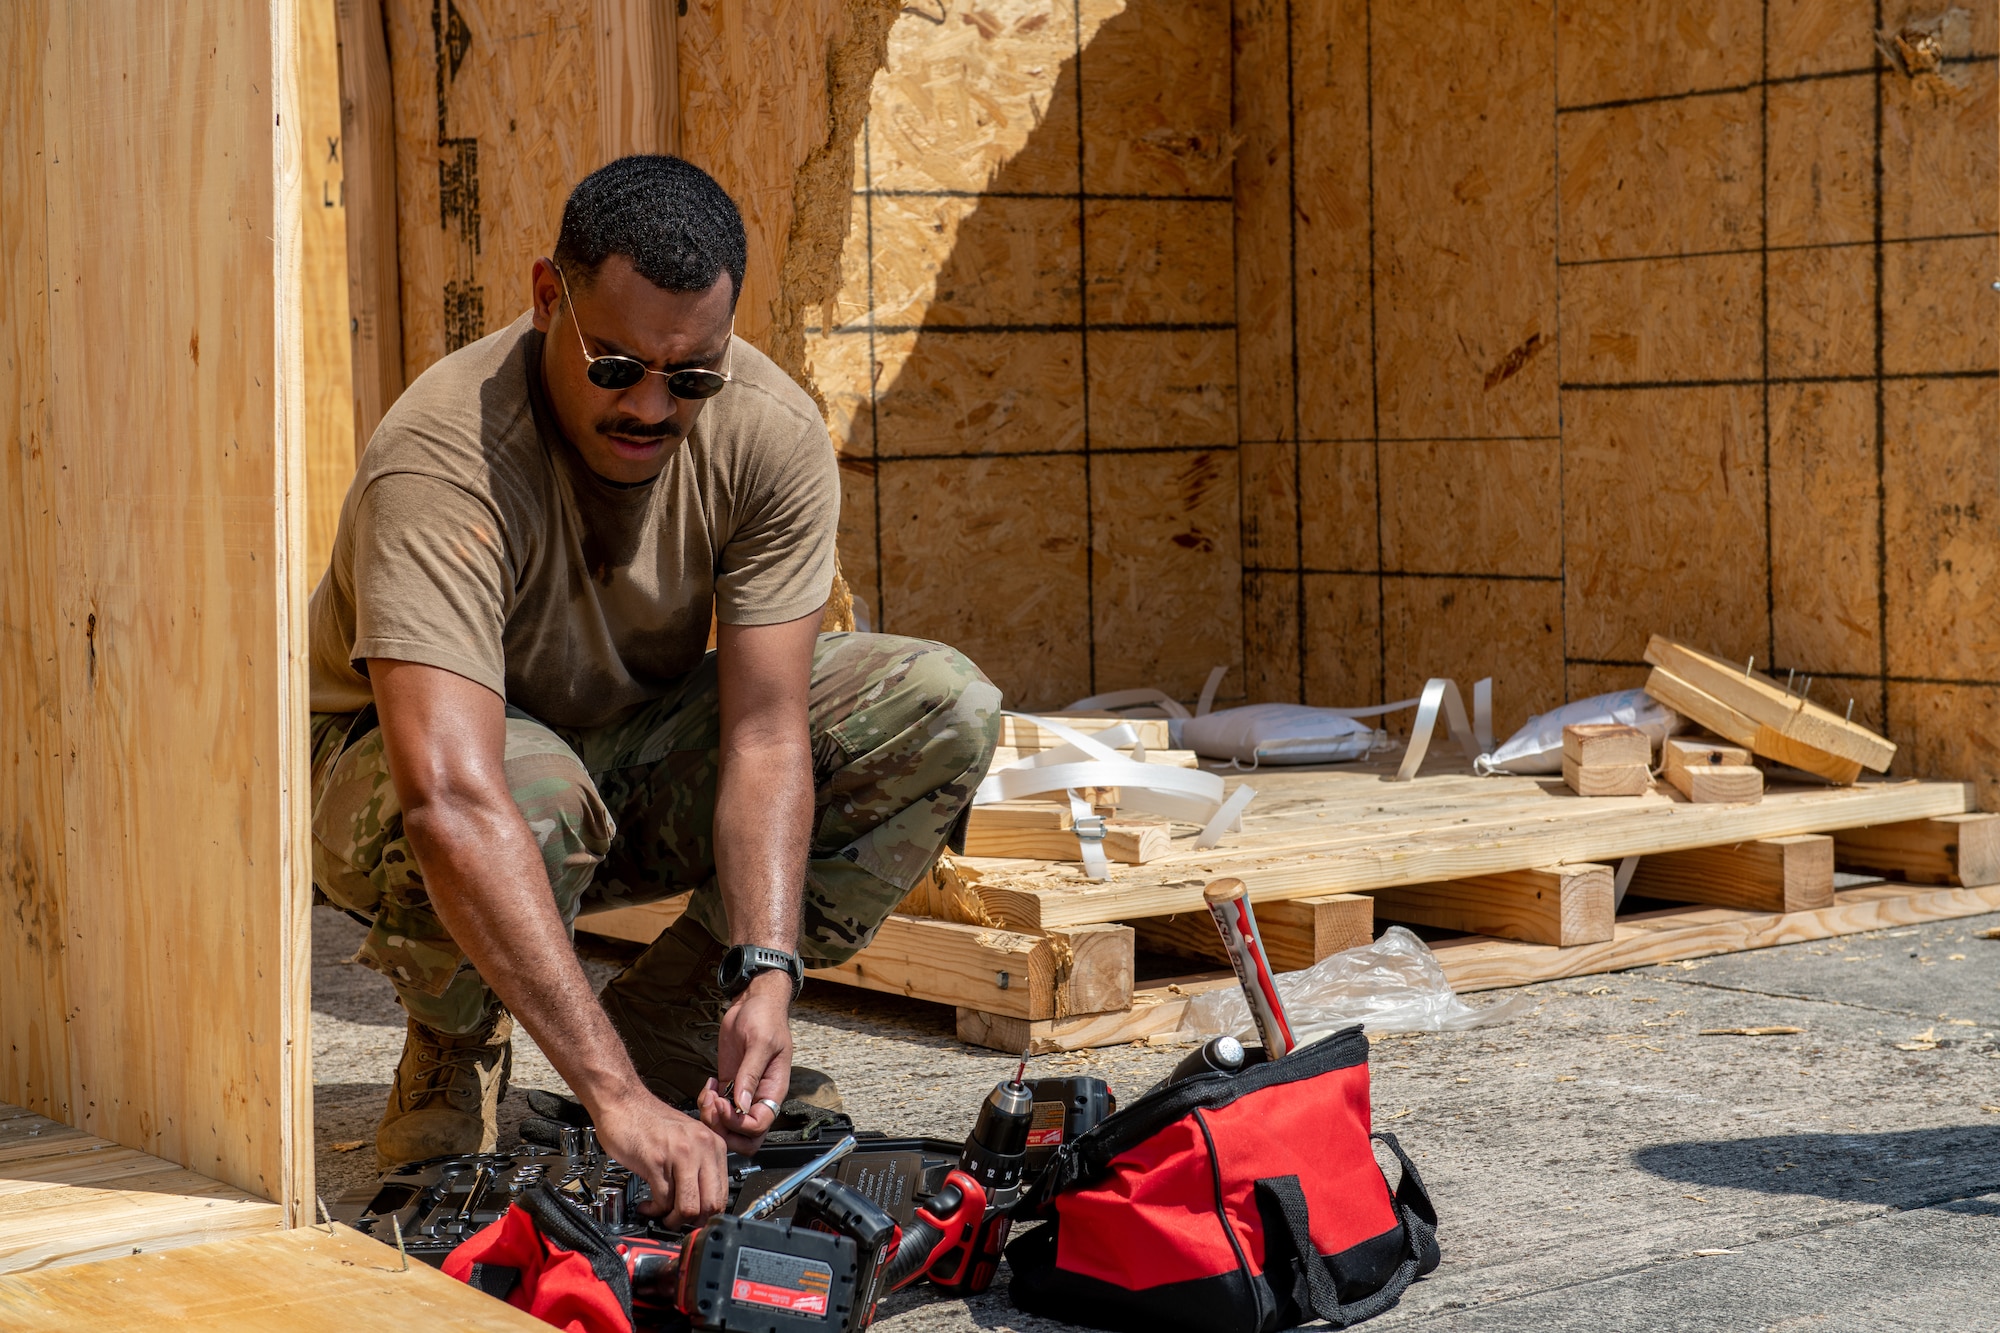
1392	985
1538	746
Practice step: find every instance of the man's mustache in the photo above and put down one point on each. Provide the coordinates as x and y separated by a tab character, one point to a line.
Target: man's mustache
634	429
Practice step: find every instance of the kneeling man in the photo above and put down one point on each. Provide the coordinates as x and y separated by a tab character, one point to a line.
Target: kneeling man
515	716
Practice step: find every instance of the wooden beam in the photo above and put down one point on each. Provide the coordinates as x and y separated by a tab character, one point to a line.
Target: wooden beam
1297	932
1094	969
323	319
999	971
1044	832
1564	905
1949	849
1707	711
368	147
1606	779
302	1281
1792	874
1768	704
638	77
1741	783
1475	963
1024	735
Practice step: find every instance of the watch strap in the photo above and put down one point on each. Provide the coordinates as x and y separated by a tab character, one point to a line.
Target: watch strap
745	961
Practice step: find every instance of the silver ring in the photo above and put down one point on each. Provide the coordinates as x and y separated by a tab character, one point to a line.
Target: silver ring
766	1101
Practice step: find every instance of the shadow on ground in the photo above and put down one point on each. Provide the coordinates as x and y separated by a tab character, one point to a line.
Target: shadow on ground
1912	1168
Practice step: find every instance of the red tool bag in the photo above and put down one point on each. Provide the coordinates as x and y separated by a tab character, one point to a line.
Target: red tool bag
546	1257
1248	1201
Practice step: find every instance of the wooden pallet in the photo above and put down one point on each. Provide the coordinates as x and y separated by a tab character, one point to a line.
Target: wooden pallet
1041	956
68	1197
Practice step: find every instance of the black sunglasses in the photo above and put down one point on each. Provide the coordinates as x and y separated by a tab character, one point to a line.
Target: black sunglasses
622	372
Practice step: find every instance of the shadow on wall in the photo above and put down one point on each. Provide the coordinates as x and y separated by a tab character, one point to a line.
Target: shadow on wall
1917	1168
1045	463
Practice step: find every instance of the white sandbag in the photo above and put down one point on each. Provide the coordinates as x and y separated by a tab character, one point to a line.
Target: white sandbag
1538	746
1277	734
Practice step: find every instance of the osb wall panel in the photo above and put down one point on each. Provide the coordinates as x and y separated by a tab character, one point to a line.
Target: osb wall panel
1761	409
1032	345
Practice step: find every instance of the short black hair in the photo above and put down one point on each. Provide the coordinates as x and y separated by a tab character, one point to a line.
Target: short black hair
679	228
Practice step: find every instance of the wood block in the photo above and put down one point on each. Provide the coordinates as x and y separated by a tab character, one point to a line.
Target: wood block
999	971
1705	710
1950	849
1297	932
1607	779
1571	904
1606	745
1770	875
1720	783
1683	752
1094	968
301	1280
1021	732
1767	703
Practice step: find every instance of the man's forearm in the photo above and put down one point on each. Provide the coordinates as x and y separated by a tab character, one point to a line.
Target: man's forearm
763	828
488	885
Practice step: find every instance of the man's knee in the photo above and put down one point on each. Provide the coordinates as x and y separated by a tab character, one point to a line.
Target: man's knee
561	807
963	706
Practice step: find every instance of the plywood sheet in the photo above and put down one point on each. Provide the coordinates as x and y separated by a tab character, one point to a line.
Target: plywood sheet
1610	50
1465	177
1344	641
163	587
1337	484
1156	100
1823	528
1271	637
1469	628
1939	178
1650	476
1000	392
329	385
1951	729
1698	318
1661	178
1264	224
1818	37
1166	570
1270	486
1331	218
1942	480
1820	181
1155	261
1821	310
1472	506
956	538
951	260
1150	388
1937	307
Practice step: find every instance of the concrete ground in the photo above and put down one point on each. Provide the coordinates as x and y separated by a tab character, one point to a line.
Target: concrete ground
1598	1164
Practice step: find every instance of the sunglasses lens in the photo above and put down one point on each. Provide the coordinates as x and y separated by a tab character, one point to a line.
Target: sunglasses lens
690	384
616	372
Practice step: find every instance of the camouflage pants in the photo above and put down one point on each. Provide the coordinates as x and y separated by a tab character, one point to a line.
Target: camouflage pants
902	731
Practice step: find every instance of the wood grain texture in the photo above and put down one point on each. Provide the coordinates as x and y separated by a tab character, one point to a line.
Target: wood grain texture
305	1281
1605	779
1719	782
1661	178
1328	248
1822	315
1943	526
1454	507
167	599
1704	710
1663	319
1265	312
1769	875
323	282
1608	50
368	161
1949	849
1594	744
1771	705
1296	933
1469	628
67	1197
1566	905
1345	830
1820	178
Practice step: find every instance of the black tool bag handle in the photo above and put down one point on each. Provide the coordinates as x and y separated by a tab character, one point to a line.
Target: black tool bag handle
1284	1197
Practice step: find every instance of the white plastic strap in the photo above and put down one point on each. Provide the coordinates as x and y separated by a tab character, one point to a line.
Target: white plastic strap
1440	693
1089	827
1129	699
1207	699
1229	816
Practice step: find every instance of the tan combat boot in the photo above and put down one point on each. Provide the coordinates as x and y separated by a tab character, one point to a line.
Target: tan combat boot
668	1007
447	1093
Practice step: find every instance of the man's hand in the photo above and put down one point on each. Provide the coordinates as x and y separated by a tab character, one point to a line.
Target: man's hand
755	1063
683	1160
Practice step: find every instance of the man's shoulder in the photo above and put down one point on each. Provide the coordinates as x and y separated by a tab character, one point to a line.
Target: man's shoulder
466	419
761	402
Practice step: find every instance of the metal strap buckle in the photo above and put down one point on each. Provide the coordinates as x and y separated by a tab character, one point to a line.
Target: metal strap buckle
1089	828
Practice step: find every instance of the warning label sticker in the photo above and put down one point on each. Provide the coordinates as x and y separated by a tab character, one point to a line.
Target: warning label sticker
781	1281
1045	1128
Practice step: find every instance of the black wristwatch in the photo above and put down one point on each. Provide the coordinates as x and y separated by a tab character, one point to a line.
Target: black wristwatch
744	961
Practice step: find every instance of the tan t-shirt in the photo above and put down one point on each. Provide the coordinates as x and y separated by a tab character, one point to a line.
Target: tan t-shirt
475	538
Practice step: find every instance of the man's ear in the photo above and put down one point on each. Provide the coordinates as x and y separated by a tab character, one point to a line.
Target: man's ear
546	289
